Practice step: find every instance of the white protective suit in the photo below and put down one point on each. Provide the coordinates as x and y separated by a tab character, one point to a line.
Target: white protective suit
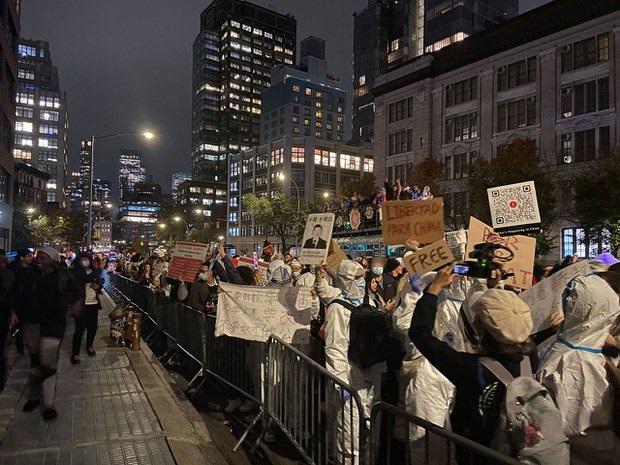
571	365
367	382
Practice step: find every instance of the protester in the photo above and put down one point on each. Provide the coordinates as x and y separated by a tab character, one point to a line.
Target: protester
392	272
24	272
203	294
7	278
89	277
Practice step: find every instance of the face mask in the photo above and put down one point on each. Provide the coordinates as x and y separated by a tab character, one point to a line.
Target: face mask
203	276
85	263
377	270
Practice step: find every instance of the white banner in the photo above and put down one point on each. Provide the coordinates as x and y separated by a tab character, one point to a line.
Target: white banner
254	313
545	297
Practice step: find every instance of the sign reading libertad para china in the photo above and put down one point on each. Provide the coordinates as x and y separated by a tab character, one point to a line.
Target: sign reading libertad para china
420	220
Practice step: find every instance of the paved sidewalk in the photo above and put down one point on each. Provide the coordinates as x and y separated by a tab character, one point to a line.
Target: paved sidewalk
117	408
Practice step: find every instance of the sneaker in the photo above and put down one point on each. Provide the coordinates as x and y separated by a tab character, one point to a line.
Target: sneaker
50	414
31	405
248	406
91	352
233	405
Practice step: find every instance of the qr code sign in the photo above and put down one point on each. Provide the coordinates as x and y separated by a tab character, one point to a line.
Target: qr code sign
514	205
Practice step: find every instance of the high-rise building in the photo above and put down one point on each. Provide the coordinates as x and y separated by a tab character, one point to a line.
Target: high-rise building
9	33
41	126
130	171
74	191
176	180
388	33
305	100
238	45
139	211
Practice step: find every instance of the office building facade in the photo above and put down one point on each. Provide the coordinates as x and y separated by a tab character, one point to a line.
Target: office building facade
42	122
130	171
139	211
176	180
30	187
554	82
305	168
305	100
238	45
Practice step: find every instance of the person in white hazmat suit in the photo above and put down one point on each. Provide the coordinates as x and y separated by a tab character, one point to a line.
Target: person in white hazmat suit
351	287
572	367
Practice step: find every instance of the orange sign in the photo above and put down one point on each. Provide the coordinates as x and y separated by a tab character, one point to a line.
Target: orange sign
420	220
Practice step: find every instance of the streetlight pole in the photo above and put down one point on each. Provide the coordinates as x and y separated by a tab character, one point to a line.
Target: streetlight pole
147	135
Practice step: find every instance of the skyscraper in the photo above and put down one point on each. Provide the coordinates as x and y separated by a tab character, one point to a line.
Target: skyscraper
41	126
237	46
176	180
130	171
388	33
9	32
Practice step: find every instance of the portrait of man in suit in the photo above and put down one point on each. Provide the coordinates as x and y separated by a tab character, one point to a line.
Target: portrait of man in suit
315	242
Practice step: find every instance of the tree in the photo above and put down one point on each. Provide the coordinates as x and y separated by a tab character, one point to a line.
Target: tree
278	215
597	200
515	162
53	226
426	173
364	186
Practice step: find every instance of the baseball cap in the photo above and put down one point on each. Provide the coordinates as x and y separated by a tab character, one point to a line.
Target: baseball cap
504	315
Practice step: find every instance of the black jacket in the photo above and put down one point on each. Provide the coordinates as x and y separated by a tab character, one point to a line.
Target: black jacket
22	295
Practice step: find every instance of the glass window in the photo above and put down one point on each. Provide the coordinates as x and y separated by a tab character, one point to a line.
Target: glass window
24	112
23	126
49	129
22	154
297	154
308	91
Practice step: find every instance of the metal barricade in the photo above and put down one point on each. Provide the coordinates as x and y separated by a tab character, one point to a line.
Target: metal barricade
436	448
322	416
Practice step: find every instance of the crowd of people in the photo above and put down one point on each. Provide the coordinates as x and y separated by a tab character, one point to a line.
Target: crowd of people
448	327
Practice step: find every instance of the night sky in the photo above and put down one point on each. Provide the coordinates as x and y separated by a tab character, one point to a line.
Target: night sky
127	65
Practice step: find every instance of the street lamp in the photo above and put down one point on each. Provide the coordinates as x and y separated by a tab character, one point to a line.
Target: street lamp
282	177
221	238
146	134
162	226
198	211
326	195
178	219
30	210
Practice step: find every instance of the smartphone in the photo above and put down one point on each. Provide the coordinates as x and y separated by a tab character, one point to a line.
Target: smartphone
461	269
255	259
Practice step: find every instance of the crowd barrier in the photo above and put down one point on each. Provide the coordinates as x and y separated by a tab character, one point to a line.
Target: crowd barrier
322	416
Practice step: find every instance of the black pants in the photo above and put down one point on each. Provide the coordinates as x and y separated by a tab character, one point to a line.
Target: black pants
87	321
4	332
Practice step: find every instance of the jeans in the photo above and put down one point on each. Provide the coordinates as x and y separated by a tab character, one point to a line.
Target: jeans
32	336
50	350
86	321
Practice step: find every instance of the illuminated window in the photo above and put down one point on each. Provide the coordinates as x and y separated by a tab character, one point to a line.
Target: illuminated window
277	157
297	154
49	129
24	112
369	165
362	80
27	99
22	139
308	91
349	162
26	51
23	126
318	94
25	74
296	88
22	154
49	102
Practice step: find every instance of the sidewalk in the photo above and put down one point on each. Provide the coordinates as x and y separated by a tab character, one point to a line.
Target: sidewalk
117	408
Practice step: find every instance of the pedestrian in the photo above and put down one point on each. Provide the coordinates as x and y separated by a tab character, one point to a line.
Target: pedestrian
55	293
89	276
204	290
24	271
6	315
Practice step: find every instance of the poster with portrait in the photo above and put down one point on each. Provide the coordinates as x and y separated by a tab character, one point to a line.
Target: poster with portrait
316	239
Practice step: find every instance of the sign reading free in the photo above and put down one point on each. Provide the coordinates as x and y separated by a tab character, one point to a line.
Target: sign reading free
429	258
420	220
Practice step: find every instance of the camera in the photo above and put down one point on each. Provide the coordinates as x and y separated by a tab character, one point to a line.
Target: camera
485	255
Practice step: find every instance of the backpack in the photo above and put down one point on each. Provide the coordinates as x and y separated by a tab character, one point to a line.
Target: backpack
372	337
529	424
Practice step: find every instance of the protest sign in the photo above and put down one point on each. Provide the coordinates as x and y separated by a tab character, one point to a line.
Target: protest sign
186	260
335	256
545	297
523	248
420	220
429	258
317	236
457	241
254	313
514	208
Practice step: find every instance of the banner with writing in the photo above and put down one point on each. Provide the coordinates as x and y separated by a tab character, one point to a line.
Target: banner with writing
545	297
317	236
523	248
187	258
429	258
254	313
420	220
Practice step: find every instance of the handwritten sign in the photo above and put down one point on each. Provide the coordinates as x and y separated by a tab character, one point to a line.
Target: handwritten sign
316	239
457	241
545	297
420	220
186	260
514	208
523	247
335	256
254	313
429	258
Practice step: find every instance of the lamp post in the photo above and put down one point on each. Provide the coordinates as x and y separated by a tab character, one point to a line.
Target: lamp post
147	135
178	219
282	177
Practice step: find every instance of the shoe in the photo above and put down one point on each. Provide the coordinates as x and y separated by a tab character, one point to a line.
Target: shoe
248	406
91	352
233	405
49	414
31	405
75	360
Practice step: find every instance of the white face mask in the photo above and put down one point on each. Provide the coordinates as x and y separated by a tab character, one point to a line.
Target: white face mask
377	270
203	276
85	263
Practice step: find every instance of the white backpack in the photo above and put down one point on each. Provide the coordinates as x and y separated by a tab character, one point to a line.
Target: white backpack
529	427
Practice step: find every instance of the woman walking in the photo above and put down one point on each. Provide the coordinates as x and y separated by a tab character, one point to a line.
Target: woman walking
90	278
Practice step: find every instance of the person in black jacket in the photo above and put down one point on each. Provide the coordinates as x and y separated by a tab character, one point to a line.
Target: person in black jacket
476	388
392	272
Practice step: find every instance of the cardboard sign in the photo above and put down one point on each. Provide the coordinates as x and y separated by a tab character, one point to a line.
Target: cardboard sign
545	298
420	220
335	256
429	258
316	239
523	247
186	260
457	242
254	313
514	208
